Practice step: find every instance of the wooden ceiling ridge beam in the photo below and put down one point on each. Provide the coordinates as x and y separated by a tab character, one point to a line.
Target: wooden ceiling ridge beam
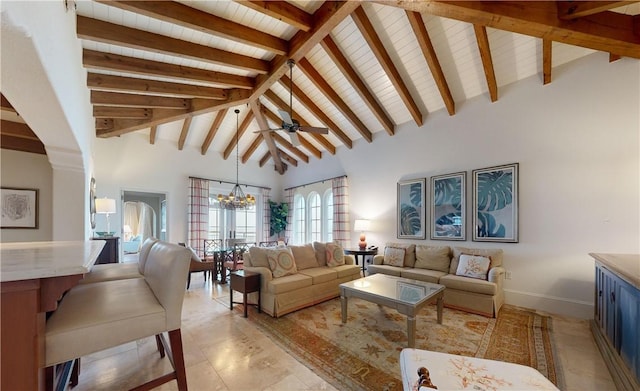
116	99
319	113
240	131
262	123
363	23
99	31
92	59
103	82
215	126
303	141
487	62
185	16
361	88
282	11
429	53
185	131
568	10
604	31
342	106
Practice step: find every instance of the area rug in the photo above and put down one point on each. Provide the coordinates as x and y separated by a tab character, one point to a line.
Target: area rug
363	353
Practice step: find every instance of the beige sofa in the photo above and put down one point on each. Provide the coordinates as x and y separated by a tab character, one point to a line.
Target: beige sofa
439	264
312	283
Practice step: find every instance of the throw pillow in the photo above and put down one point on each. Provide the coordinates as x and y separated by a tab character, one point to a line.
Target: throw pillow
393	256
321	255
281	262
473	266
409	252
258	257
433	257
334	255
305	256
494	254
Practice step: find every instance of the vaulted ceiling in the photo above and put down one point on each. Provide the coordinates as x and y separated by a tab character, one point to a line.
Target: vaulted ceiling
178	70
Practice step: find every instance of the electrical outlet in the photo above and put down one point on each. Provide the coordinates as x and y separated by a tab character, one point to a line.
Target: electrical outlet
507	275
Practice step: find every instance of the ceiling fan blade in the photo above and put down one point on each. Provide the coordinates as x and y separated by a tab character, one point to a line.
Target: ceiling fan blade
286	118
311	129
294	139
268	130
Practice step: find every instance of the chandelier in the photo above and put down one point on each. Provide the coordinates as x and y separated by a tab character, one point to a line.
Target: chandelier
236	199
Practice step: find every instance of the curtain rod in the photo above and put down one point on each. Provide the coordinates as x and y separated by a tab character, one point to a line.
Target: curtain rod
231	183
313	183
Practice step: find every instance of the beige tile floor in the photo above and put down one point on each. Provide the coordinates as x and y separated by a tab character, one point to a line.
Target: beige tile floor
223	351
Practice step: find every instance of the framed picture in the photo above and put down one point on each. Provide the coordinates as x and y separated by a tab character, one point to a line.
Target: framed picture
411	293
495	204
19	208
411	209
448	212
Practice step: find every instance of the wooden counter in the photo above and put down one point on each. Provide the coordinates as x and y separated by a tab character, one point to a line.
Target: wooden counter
33	277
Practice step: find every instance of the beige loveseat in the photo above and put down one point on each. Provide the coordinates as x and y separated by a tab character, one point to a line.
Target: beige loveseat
439	264
312	282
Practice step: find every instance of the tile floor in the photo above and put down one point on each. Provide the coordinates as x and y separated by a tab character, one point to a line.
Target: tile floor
223	351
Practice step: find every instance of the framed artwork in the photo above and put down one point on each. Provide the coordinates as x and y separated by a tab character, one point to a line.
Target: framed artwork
448	212
495	204
411	209
19	208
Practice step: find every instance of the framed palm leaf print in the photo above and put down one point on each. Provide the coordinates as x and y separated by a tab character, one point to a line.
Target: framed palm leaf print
411	209
448	212
495	204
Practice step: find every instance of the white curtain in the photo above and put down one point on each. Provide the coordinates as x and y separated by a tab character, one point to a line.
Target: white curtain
141	218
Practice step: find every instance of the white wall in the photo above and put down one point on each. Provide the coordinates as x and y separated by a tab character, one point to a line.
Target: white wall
131	163
30	171
577	141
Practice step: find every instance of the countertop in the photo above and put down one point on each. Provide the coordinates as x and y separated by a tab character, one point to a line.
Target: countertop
31	260
627	266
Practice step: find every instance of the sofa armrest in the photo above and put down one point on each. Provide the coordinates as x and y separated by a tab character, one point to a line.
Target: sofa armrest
349	259
265	275
377	259
496	275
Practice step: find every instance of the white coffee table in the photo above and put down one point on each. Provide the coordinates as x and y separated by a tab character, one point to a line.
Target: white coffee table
404	295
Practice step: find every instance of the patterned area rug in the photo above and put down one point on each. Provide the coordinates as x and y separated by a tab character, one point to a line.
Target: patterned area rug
363	353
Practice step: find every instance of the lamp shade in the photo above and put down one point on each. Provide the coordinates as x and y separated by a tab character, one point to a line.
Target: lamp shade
105	205
362	225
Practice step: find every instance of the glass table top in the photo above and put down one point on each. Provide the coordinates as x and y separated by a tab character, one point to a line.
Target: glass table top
395	288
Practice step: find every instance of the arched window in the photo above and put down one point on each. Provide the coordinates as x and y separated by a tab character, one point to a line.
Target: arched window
327	226
315	218
299	219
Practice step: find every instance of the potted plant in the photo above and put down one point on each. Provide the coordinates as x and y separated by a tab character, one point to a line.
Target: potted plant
278	220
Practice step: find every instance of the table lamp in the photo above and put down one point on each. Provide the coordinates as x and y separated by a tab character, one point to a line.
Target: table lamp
362	226
106	206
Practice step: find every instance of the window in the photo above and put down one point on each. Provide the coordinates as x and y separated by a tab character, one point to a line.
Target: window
327	231
299	220
229	223
315	218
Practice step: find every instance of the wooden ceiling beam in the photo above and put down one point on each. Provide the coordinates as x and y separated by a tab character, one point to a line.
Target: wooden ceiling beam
5	104
101	82
185	131
241	129
605	31
288	158
303	141
342	106
288	145
315	110
613	57
22	144
17	130
546	60
121	112
262	123
213	130
153	132
568	10
487	62
282	11
265	158
116	99
114	34
257	140
185	16
92	59
361	88
429	53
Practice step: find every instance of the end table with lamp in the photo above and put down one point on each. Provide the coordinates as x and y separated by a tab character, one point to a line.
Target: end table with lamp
357	252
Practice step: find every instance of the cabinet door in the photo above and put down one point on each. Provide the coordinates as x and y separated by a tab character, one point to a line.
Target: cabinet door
610	307
628	318
600	299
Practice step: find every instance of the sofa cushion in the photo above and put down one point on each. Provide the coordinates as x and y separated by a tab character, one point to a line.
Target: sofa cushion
334	255
384	269
347	270
289	283
409	255
393	256
494	254
321	255
305	256
473	266
281	262
258	257
433	257
320	274
468	284
426	275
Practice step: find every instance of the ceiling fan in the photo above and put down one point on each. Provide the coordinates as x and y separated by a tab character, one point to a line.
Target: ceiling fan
290	124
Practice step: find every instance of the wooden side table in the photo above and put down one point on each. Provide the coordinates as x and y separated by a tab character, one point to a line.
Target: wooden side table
356	252
245	282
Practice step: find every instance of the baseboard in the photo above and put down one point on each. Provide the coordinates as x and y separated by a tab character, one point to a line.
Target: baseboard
555	305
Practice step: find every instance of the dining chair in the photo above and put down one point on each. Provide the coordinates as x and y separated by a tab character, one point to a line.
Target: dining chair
236	249
197	264
269	243
213	251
